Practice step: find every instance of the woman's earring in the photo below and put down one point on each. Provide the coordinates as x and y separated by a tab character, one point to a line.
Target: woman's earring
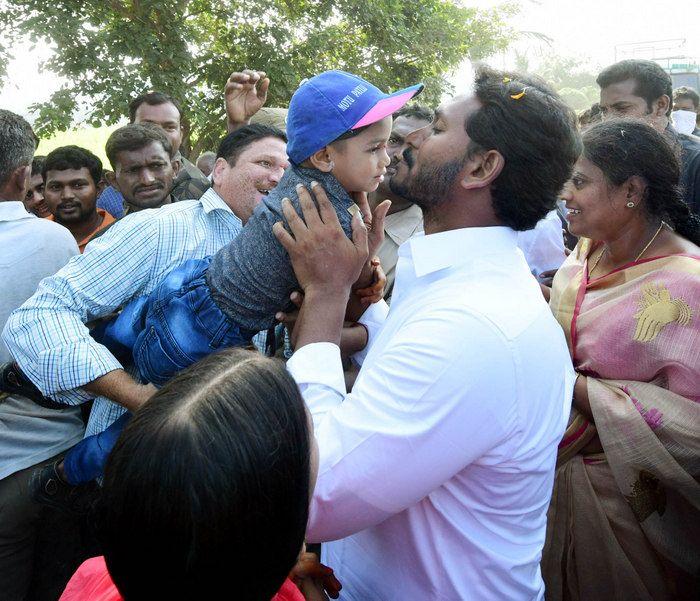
630	205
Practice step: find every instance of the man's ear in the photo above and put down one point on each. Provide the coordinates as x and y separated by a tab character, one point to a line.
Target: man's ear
661	105
322	159
20	179
481	170
176	165
217	172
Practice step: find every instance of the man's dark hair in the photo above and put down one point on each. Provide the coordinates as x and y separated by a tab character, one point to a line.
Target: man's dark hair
208	484
232	145
152	99
689	93
623	148
535	132
415	111
73	157
135	136
38	165
17	144
651	81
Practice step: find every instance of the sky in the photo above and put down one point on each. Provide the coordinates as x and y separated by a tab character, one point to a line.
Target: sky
592	28
589	29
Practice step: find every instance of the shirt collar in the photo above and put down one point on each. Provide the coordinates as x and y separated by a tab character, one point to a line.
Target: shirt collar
12	210
447	249
400	226
211	201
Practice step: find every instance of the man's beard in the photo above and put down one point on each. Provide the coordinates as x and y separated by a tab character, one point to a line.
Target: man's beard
431	184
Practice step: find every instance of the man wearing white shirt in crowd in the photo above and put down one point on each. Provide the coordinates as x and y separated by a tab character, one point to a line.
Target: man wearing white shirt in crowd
30	435
436	470
543	245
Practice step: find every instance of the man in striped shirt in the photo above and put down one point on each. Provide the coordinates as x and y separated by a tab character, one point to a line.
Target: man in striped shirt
48	336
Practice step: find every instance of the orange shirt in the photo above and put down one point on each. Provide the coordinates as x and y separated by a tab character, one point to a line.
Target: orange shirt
107	220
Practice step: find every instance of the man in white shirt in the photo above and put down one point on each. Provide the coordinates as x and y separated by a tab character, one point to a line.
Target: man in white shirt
30	435
436	470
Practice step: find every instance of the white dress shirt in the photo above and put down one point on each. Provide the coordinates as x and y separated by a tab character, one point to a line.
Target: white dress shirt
32	249
436	471
543	245
398	227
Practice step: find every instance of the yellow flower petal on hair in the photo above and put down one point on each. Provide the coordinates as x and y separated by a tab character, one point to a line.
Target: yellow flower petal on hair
518	96
507	80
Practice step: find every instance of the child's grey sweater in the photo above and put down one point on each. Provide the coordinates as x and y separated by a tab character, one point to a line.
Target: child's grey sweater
251	278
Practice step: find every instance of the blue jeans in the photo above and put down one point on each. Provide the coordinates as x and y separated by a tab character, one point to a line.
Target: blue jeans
86	461
173	327
170	329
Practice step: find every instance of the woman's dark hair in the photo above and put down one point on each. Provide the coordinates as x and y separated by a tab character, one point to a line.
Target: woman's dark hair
535	132
622	148
206	492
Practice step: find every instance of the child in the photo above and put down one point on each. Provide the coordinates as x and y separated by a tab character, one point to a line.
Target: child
338	126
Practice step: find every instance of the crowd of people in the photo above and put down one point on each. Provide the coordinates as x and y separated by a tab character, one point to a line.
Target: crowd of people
367	349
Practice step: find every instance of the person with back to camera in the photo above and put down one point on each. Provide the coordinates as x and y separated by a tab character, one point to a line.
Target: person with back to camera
181	517
623	522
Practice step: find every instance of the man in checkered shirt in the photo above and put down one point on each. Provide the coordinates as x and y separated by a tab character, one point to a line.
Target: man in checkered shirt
48	336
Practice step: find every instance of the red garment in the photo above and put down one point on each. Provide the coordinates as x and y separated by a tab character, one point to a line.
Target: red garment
92	582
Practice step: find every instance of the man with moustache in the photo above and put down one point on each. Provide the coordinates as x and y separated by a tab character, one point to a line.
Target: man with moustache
641	89
163	111
72	178
143	171
404	218
436	471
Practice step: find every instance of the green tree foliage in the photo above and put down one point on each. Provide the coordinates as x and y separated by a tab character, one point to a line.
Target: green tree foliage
567	72
112	50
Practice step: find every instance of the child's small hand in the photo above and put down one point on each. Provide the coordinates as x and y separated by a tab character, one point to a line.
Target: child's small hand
375	291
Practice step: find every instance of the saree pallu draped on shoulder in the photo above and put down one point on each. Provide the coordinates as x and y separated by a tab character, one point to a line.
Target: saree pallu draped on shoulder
625	524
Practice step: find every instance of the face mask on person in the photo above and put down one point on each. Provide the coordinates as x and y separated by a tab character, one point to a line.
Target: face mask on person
684	121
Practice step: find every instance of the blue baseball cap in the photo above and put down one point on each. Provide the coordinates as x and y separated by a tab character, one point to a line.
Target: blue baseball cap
327	105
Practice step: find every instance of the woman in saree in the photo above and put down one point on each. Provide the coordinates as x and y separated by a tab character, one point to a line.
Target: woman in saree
624	521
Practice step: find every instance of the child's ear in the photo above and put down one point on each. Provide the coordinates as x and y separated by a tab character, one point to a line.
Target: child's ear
321	160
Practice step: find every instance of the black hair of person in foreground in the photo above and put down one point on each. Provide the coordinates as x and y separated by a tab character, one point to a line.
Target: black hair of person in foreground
206	493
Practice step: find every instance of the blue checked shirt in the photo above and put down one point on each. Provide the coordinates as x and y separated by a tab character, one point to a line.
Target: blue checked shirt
47	335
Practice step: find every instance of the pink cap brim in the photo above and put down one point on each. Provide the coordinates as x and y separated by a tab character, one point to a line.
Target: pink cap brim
386	107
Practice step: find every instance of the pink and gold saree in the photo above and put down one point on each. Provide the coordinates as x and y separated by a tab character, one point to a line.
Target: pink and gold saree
625	523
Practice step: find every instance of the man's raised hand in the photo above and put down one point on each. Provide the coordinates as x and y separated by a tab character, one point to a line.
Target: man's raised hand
245	94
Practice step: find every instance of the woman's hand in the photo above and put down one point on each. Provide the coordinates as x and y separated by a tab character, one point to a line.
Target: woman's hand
581	401
316	581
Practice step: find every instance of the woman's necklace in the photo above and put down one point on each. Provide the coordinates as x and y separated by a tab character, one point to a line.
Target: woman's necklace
639	256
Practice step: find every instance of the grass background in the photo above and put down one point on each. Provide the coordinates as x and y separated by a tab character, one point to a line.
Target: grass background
91	138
